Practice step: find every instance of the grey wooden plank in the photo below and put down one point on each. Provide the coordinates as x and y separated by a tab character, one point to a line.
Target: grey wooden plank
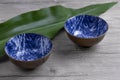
9	10
38	1
62	78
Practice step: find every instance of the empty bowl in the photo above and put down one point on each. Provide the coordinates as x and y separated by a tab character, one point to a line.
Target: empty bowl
28	50
86	30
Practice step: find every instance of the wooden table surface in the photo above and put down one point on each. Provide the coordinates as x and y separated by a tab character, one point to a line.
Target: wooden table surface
68	61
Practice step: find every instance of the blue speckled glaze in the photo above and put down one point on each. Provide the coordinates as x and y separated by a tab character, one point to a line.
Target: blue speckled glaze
86	26
28	47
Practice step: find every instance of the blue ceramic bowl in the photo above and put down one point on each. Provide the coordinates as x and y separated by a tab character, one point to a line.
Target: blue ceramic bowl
28	48
85	27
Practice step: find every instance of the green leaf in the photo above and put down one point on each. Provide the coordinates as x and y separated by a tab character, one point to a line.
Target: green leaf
47	21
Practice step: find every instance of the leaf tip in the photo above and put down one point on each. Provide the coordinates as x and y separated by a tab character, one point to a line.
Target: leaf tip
112	3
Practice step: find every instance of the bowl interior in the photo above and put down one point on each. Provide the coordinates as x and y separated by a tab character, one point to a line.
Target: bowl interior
86	26
28	47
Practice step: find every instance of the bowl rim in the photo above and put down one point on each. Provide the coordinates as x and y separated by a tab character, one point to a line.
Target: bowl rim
49	52
86	37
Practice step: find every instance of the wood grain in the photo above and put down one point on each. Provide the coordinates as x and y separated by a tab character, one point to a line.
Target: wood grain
68	61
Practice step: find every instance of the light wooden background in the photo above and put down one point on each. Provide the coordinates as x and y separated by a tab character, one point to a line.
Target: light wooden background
68	61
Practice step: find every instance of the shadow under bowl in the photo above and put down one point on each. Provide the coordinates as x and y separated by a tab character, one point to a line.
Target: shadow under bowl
86	30
28	50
